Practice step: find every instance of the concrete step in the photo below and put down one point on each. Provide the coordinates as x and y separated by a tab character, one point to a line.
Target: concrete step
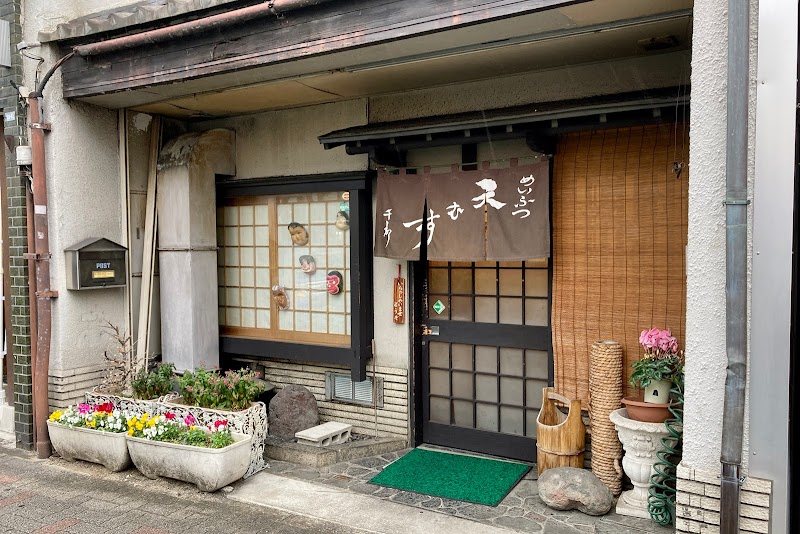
325	435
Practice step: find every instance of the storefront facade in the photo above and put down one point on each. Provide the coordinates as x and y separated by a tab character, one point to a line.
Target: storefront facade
281	142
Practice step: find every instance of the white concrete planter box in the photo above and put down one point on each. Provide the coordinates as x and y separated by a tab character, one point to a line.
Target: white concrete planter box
107	448
252	422
208	469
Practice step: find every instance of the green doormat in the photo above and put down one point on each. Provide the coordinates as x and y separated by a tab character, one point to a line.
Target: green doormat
452	476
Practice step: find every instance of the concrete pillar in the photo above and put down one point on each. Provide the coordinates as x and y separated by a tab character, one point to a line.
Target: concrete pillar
187	244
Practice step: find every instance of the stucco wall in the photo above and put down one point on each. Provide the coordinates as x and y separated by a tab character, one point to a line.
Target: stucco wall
706	357
580	81
85	200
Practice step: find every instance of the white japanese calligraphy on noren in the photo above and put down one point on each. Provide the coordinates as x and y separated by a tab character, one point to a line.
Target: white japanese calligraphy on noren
387	232
454	210
527	182
489	186
431	226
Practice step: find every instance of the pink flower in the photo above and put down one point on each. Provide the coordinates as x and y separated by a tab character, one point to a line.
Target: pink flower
219	422
189	420
84	408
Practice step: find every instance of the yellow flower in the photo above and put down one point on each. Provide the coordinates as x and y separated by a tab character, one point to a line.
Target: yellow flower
151	423
139	426
130	431
91	424
55	416
145	417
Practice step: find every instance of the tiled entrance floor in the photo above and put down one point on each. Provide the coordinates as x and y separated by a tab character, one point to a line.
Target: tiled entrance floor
520	511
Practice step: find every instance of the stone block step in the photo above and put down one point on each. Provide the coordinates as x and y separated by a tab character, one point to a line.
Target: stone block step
324	435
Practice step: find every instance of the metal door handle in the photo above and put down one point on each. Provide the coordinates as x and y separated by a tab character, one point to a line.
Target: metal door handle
430	330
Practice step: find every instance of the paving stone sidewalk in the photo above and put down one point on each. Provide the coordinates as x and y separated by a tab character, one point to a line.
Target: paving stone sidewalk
53	496
521	511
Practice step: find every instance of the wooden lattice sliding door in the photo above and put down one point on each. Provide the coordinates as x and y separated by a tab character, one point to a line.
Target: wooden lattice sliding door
619	239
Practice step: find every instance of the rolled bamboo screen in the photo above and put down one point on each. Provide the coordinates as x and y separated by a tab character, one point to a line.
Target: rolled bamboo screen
605	393
619	238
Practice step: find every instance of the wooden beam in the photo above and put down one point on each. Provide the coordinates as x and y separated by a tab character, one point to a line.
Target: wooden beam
148	259
331	27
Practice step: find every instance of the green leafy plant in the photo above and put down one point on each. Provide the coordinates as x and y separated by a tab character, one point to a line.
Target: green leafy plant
234	390
172	429
654	368
153	383
661	361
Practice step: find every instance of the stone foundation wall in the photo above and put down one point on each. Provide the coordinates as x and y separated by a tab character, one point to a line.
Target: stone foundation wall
68	386
392	417
698	497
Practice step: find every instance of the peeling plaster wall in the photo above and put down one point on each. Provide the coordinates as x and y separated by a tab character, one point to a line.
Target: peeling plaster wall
40	14
706	357
85	200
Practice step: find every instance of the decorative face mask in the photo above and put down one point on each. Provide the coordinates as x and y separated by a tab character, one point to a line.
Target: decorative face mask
334	281
342	220
298	233
308	264
280	298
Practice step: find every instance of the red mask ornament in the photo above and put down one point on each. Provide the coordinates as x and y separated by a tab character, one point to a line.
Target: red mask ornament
334	281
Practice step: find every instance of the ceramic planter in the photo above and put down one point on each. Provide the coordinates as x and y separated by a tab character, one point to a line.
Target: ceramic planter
252	422
657	391
208	469
649	412
107	448
642	442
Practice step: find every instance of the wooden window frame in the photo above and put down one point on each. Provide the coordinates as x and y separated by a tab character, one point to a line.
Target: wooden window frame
356	355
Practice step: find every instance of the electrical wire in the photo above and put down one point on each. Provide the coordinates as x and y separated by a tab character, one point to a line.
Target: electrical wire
661	495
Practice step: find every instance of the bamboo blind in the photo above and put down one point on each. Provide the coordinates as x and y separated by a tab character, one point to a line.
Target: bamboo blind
619	240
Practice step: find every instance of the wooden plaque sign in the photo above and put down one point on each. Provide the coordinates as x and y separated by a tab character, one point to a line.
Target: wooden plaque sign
398	308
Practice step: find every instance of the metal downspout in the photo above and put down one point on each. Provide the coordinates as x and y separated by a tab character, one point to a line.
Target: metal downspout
736	263
184	29
41	259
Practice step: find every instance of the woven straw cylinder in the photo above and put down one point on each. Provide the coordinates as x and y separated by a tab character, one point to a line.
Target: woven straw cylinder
605	394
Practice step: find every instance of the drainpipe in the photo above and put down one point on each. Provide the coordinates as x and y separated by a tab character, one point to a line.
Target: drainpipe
41	259
185	29
736	263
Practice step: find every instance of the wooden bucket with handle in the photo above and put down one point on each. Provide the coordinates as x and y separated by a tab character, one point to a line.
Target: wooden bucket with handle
560	439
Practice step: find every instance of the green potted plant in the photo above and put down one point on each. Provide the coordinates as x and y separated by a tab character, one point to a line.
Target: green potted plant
153	383
211	395
656	372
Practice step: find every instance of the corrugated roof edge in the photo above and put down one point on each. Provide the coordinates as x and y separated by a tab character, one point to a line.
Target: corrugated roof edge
136	14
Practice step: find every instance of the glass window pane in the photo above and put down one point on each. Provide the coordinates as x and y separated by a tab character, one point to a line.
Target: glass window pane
462	357
461	308
439	354
437	281
511	391
536	364
440	410
511	361
533	393
461	281
536	282
485	282
511	311
511	420
536	312
462	412
511	282
440	382
531	416
486	388
485	309
486	359
487	417
462	385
